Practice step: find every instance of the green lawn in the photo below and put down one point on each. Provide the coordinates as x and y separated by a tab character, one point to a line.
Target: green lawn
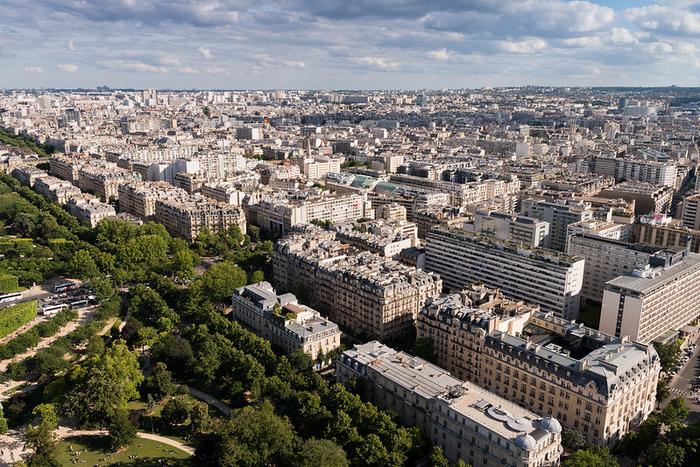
147	453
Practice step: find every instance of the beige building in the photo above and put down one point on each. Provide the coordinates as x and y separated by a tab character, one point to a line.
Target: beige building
596	384
648	198
651	301
690	212
186	217
103	181
606	259
366	294
281	216
139	198
67	167
282	320
466	421
55	189
663	231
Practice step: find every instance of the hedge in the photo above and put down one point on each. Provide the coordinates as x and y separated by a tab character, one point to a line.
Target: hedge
8	283
12	318
31	337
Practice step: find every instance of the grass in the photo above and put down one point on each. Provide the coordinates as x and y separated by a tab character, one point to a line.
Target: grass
16	316
147	452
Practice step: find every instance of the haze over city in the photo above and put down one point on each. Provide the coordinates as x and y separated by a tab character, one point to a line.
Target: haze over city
334	44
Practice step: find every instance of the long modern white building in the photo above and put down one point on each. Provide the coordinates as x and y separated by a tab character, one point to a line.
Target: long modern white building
547	278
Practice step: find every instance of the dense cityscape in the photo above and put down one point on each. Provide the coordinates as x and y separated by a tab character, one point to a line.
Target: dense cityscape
505	276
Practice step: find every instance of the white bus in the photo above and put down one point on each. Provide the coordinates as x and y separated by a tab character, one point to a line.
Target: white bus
65	287
80	303
10	297
50	310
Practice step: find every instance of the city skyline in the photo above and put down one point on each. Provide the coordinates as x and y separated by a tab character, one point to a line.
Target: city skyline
333	45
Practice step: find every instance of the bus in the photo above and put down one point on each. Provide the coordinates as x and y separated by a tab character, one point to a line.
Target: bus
64	287
10	297
80	303
50	310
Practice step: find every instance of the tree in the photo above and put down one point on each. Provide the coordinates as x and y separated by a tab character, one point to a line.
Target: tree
675	412
254	436
103	385
40	438
176	412
175	352
102	287
221	280
183	264
572	439
669	355
160	384
663	454
257	276
594	456
663	390
423	348
82	265
321	453
437	458
200	421
121	431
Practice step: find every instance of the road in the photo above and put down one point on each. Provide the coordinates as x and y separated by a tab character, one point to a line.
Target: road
34	293
682	381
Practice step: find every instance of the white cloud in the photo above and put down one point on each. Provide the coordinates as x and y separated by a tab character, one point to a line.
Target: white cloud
168	60
33	69
622	36
206	53
187	70
68	67
378	63
294	63
125	66
526	46
675	18
71	45
439	54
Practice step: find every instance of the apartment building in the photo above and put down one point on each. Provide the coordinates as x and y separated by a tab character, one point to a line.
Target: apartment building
662	230
226	192
559	215
548	278
648	198
606	259
510	227
139	198
55	189
638	170
466	421
690	212
103	181
390	212
281	216
593	383
651	301
27	175
187	217
88	209
283	321
364	293
67	167
316	169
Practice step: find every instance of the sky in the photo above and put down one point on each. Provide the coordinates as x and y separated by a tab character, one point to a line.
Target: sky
348	44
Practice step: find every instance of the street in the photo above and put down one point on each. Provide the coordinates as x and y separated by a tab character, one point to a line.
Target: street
681	384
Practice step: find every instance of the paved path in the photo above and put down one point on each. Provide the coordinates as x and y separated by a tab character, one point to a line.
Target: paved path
211	400
681	383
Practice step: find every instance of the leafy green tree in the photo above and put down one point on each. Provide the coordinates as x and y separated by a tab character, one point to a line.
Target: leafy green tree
102	287
82	265
572	439
254	436
200	420
121	431
176	412
174	351
663	390
669	355
221	280
257	276
183	264
675	412
437	458
103	385
594	456
320	453
40	438
160	384
664	454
